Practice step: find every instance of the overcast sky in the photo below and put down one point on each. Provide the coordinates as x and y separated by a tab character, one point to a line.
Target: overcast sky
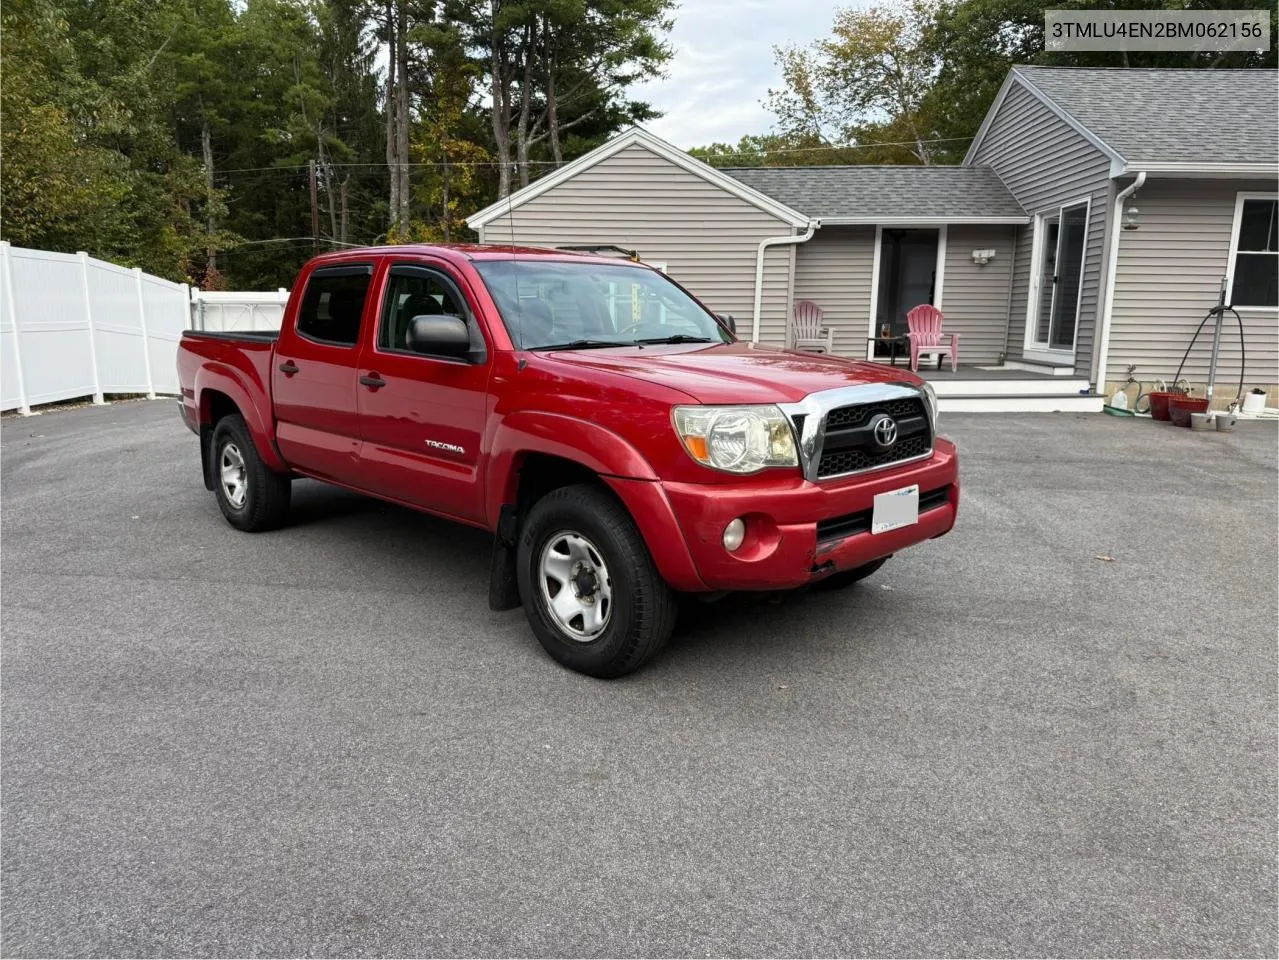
723	65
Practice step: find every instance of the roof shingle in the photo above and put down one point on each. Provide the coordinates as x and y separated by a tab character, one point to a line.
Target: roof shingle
870	193
1170	116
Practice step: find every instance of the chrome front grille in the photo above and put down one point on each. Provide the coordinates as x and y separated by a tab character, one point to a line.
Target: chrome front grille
835	429
836	463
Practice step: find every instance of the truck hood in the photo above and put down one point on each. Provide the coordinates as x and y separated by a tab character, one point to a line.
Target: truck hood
733	372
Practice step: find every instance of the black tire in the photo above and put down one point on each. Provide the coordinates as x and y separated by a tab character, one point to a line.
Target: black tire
642	609
266	496
846	578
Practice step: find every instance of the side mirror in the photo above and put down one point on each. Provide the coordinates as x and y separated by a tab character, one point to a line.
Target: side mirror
440	335
728	321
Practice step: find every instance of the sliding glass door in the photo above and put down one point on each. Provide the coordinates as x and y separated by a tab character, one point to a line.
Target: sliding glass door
1060	240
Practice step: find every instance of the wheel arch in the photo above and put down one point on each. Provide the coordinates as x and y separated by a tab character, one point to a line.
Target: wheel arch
219	391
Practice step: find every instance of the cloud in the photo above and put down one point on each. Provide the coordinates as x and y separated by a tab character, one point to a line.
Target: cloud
723	66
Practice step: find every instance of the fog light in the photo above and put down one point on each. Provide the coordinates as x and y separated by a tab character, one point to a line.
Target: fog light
734	534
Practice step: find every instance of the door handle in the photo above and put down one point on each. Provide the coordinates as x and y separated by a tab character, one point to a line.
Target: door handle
288	368
373	381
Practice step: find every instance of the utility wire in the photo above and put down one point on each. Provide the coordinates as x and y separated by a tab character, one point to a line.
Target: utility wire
298	240
382	164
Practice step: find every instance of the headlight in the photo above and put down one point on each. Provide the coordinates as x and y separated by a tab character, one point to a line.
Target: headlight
737	439
930	400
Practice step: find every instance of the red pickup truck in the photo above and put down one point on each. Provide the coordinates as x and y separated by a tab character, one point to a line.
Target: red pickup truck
623	447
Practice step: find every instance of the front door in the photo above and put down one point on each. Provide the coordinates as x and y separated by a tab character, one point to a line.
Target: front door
1056	286
313	383
907	278
422	417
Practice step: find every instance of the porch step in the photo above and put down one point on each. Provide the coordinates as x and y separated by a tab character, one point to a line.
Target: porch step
1035	367
1010	387
1023	403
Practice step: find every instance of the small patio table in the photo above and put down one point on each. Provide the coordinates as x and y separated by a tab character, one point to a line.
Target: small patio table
893	343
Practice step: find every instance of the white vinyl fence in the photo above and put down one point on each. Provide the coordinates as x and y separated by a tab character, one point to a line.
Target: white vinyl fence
237	311
72	326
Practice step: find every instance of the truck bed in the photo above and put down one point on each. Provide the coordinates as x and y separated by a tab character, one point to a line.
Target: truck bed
234	364
258	336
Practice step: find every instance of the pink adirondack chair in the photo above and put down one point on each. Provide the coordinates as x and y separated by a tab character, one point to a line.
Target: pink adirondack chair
926	339
807	331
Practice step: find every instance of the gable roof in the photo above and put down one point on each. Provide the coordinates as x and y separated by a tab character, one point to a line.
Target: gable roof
888	194
638	135
1160	120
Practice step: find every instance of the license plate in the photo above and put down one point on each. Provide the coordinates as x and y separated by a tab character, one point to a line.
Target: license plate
896	508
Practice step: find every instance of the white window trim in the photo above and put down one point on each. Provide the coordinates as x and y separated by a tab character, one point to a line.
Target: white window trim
940	269
1032	349
1240	197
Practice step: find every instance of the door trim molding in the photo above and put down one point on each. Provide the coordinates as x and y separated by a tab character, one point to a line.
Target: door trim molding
874	291
939	271
1033	349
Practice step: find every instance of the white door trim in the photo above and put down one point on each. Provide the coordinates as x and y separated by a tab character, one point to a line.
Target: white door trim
874	292
941	266
939	269
1033	349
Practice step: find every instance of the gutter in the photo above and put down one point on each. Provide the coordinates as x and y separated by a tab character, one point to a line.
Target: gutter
789	238
1112	261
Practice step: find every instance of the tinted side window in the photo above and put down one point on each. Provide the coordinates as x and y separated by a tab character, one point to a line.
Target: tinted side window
412	292
333	304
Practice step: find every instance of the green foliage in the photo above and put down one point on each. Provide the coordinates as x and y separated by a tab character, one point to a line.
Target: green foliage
869	80
180	136
978	41
909	81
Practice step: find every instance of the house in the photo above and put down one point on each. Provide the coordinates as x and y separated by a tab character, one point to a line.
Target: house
1148	190
1028	247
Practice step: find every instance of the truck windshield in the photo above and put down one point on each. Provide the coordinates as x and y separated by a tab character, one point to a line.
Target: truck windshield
557	305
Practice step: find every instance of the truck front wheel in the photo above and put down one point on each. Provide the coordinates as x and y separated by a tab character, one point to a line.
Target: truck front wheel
588	584
251	496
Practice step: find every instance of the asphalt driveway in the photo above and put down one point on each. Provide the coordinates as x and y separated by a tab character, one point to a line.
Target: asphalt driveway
320	741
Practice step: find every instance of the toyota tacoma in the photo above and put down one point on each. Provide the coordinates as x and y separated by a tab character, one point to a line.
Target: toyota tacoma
622	446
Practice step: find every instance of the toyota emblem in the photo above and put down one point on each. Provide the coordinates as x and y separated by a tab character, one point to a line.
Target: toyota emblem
885	431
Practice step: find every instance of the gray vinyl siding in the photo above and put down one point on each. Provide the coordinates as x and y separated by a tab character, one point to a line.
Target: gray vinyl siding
834	271
707	237
1168	276
1045	162
975	296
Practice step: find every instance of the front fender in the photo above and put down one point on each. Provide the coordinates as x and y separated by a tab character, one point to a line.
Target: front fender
597	448
226	379
623	468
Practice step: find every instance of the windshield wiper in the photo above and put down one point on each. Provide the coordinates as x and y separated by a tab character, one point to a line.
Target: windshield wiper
582	345
676	338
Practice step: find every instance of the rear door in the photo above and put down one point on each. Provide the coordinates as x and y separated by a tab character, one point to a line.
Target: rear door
313	382
422	417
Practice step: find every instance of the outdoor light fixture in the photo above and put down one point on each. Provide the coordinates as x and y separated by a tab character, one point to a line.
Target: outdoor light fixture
1132	217
983	256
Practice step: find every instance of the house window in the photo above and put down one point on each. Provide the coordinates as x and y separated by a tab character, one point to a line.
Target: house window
1254	270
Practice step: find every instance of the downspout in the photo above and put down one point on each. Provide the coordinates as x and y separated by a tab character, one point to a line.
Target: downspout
1112	262
759	267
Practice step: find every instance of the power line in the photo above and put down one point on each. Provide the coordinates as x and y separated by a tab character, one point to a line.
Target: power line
829	146
293	240
383	165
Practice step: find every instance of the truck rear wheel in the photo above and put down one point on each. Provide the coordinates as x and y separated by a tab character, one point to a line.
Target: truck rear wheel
588	584
251	496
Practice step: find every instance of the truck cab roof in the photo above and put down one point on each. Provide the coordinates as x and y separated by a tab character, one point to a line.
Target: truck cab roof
457	252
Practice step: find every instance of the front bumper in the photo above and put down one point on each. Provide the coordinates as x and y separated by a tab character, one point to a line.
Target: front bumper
782	548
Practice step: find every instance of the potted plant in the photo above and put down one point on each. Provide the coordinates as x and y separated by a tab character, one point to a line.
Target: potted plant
1254	400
